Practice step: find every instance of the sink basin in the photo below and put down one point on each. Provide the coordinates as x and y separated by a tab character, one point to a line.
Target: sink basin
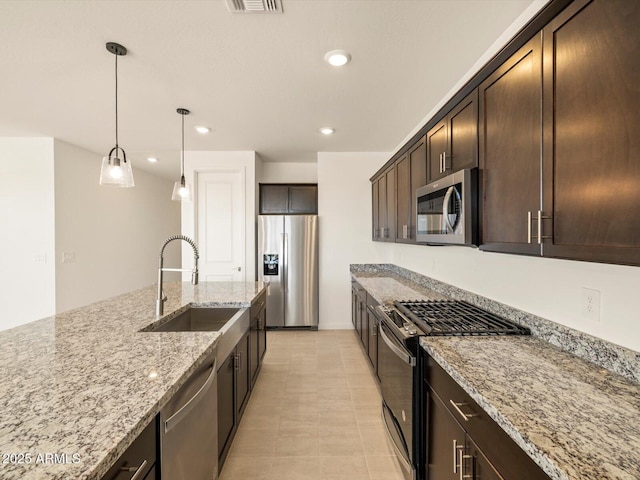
198	320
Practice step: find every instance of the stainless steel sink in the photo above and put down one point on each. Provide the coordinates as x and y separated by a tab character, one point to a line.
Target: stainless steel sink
197	320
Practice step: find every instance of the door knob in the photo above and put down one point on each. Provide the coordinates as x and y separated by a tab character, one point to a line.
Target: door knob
238	269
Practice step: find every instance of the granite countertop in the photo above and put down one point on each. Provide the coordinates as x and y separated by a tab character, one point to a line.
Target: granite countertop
83	384
575	419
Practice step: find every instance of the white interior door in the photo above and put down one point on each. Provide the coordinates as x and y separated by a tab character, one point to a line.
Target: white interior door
220	226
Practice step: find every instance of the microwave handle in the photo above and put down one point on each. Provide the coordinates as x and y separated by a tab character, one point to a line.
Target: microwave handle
445	209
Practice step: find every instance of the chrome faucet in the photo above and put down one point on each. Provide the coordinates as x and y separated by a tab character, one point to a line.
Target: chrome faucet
161	298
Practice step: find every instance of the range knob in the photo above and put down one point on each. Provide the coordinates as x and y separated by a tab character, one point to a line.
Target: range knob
412	331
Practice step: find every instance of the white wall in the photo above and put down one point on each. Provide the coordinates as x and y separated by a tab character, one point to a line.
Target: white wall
281	172
344	209
245	162
549	288
27	249
115	234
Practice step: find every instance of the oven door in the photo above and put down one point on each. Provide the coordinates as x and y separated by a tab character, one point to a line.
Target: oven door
396	367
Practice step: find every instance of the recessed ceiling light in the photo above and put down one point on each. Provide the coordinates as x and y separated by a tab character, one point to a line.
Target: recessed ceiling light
202	130
152	160
337	58
327	130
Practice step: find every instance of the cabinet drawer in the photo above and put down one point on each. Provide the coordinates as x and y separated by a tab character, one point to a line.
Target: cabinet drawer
142	449
500	449
258	304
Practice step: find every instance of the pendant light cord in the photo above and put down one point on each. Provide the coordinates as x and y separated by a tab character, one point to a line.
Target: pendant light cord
116	103
182	156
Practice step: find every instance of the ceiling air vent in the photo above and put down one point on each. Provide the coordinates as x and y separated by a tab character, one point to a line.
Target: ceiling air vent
255	6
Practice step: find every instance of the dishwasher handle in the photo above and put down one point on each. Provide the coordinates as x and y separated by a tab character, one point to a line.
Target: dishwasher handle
177	417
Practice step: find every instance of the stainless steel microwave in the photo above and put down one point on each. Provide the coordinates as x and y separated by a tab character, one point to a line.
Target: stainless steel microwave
447	209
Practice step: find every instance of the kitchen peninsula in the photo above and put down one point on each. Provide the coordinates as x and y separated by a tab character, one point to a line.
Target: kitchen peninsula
79	387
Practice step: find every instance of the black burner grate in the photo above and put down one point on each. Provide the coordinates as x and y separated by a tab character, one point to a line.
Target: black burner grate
457	317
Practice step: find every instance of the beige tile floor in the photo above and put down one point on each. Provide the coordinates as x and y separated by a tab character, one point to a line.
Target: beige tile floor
314	414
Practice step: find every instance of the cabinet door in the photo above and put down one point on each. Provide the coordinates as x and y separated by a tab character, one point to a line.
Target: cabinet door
510	151
375	231
463	135
372	341
437	146
274	199
390	234
382	207
418	159
254	356
403	199
354	306
591	125
477	466
303	199
364	324
242	373
226	403
445	441
262	335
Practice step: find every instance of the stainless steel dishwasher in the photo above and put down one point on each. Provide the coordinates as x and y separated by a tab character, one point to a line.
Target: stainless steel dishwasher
189	428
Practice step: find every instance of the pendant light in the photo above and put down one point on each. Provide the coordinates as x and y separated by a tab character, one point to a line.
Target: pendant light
181	189
116	170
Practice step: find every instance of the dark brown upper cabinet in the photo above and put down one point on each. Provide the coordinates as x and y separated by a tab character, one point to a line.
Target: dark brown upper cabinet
510	152
384	206
411	173
591	142
290	199
452	144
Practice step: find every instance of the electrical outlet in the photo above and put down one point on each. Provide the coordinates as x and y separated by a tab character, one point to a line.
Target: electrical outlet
591	304
68	257
40	258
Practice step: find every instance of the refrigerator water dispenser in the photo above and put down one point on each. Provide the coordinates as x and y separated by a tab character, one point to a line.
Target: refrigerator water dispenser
270	264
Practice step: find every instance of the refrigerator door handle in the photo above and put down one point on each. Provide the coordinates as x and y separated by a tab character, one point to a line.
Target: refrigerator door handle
285	261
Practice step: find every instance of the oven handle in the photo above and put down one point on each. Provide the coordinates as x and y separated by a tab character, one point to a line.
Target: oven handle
399	454
405	356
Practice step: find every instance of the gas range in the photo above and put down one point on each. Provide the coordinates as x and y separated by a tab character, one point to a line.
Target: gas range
410	319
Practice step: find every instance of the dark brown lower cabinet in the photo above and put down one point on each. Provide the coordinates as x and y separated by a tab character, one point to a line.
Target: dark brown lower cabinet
140	456
372	340
226	406
462	441
233	392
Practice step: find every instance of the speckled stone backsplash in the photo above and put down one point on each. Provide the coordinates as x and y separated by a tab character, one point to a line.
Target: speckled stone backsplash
615	358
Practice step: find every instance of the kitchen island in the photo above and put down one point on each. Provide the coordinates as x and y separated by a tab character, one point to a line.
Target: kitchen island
574	418
82	385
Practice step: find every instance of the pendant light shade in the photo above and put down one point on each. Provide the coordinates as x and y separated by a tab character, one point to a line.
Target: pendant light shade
181	189
116	170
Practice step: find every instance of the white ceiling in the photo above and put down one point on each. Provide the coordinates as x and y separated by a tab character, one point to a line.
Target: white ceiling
259	81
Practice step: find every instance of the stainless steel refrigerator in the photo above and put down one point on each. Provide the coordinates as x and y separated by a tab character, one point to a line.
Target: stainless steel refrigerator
288	260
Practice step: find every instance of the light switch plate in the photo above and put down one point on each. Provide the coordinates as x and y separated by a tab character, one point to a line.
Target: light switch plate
68	257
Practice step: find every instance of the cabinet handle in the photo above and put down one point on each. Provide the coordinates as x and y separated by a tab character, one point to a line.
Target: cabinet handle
138	470
465	416
539	218
462	462
444	162
238	361
456	448
440	165
461	457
